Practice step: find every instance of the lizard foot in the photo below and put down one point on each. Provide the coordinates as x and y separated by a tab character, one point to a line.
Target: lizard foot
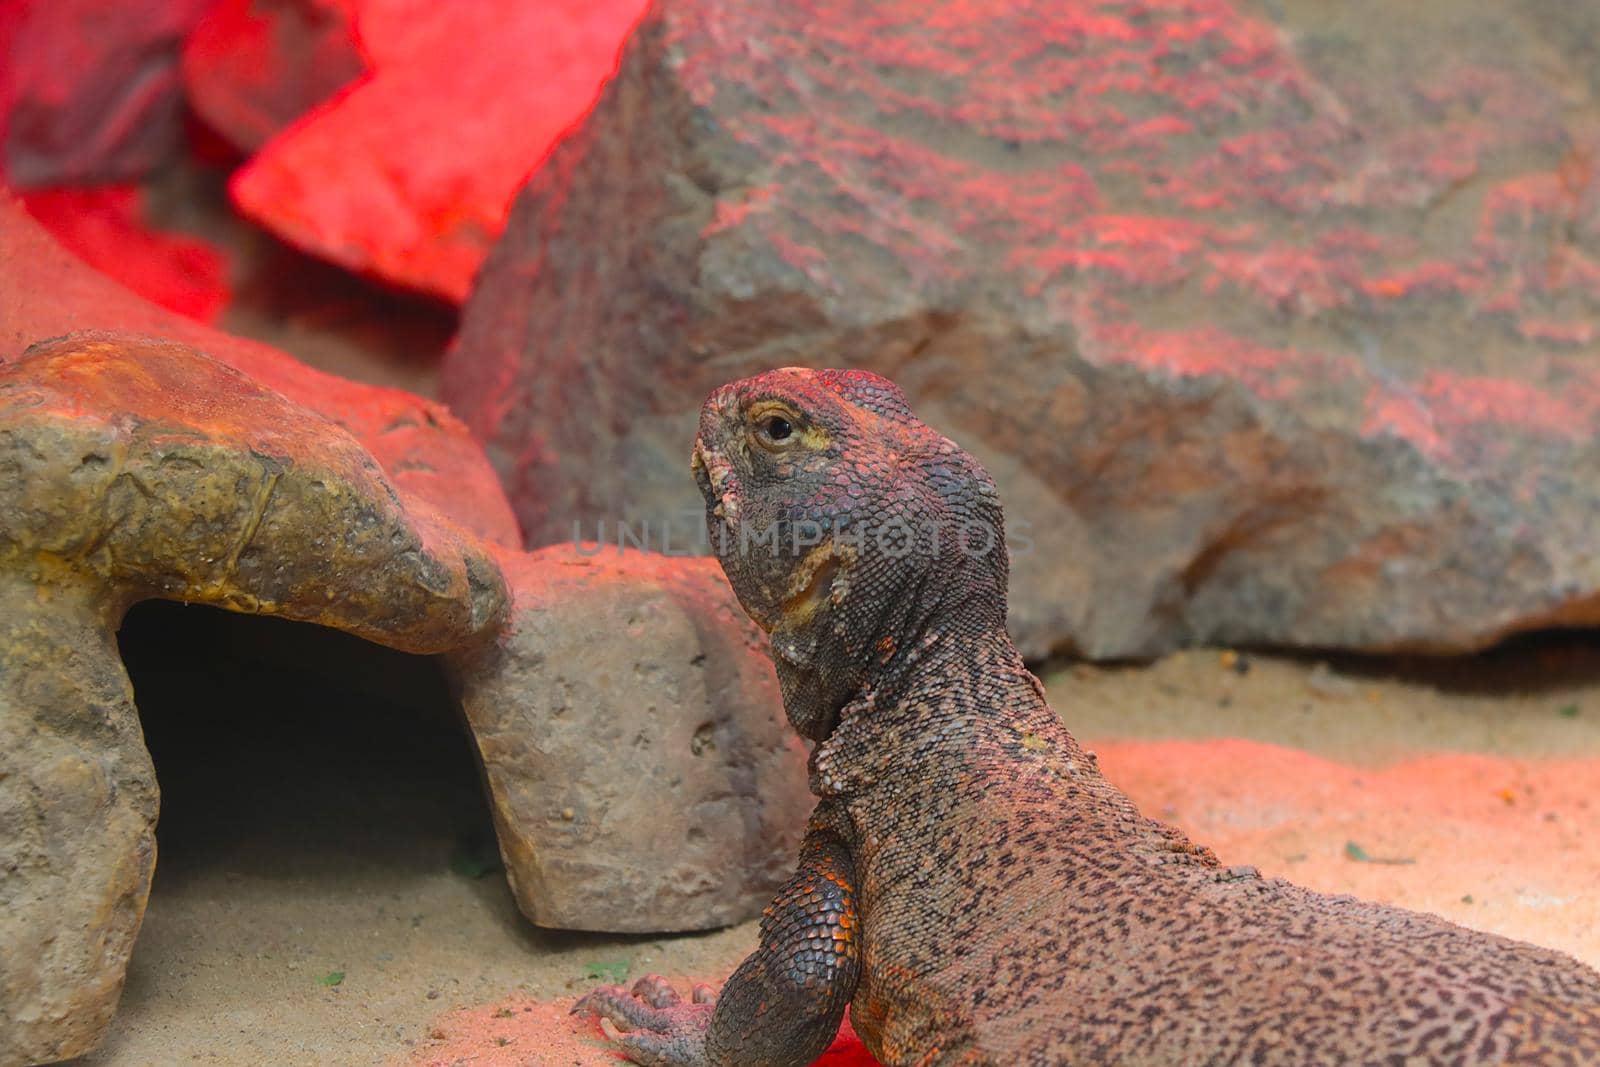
650	1023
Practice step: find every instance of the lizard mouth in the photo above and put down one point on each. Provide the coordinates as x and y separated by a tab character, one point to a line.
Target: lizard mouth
715	478
702	476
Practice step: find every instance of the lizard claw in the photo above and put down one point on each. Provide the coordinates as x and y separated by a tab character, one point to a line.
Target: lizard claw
618	1005
650	1023
656	991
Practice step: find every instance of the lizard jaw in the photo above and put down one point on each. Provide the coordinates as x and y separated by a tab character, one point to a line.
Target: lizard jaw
811	588
821	580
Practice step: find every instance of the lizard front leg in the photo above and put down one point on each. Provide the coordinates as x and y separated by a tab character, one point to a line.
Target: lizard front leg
782	1007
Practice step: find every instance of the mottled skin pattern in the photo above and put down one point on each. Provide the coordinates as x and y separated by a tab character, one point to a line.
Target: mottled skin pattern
970	884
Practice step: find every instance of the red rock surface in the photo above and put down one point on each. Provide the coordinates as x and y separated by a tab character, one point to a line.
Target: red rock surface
89	90
1275	324
103	227
252	67
409	174
45	292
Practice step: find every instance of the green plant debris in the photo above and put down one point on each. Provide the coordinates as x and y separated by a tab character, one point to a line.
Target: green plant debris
504	1013
475	856
1360	855
1570	711
332	978
608	970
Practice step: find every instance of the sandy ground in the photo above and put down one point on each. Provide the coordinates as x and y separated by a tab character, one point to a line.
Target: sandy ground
316	900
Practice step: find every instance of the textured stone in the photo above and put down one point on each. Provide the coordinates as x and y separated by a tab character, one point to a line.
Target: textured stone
1275	323
133	469
45	292
408	175
638	769
642	774
250	68
89	91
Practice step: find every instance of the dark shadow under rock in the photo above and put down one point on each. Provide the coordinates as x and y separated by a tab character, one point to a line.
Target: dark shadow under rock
272	739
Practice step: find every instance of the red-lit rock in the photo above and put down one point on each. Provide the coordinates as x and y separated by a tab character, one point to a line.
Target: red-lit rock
89	90
408	175
46	292
102	226
1269	333
250	68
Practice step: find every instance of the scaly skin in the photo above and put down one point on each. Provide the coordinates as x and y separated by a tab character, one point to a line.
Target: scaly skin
970	883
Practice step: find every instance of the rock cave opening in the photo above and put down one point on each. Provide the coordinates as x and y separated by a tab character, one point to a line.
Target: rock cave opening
298	763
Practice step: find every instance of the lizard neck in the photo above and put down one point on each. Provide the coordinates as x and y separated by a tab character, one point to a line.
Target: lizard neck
950	673
962	707
918	629
954	695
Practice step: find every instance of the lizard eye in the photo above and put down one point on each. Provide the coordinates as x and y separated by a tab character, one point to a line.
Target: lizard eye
775	431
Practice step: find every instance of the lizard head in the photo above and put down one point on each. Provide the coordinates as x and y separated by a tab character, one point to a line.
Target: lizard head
847	528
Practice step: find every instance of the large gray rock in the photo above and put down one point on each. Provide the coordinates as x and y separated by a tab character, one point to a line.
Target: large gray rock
1275	323
642	775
